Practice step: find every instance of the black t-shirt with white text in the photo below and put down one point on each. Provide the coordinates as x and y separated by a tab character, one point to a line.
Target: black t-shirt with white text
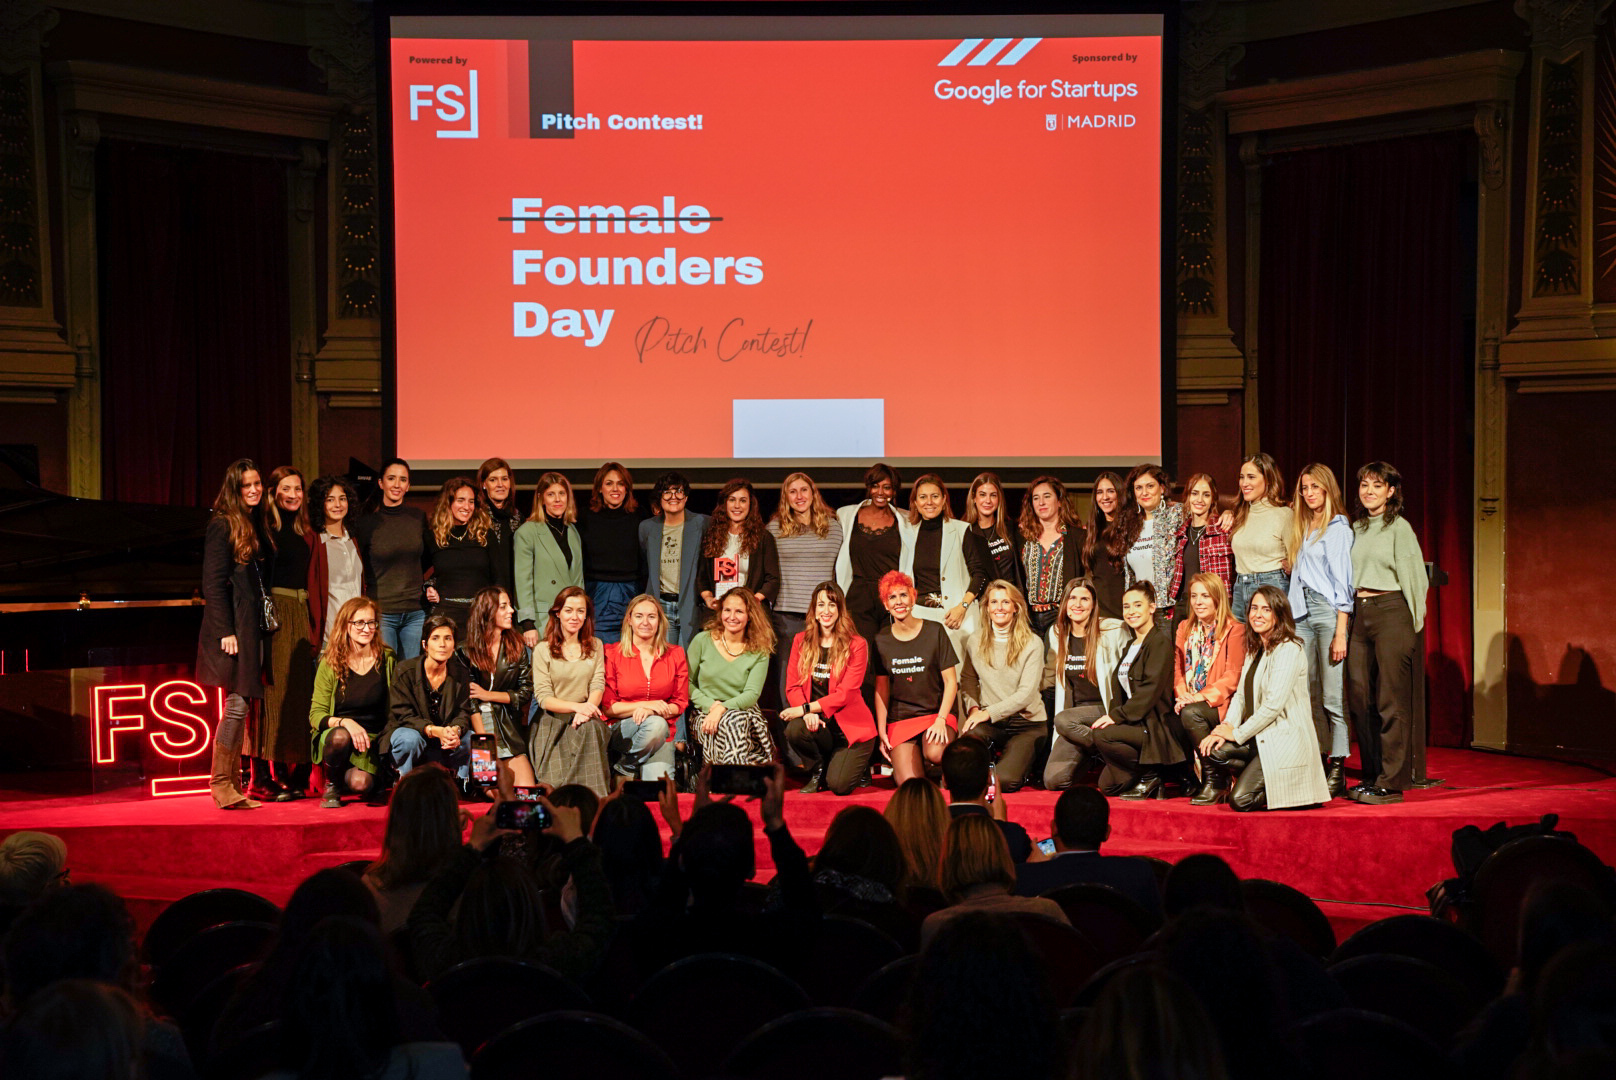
915	669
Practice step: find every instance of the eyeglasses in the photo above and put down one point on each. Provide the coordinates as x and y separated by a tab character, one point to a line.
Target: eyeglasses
364	624
675	493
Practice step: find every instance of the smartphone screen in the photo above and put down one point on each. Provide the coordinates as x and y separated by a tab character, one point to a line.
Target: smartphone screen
522	815
646	791
740	779
1047	846
484	768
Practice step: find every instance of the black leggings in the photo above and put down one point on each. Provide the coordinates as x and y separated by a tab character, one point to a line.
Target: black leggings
847	763
1250	792
1019	738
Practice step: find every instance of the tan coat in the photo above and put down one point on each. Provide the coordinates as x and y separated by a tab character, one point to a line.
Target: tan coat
1282	723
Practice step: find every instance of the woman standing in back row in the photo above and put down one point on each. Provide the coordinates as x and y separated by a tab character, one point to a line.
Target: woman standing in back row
497	485
1320	554
808	537
549	555
610	531
1259	532
1051	549
457	551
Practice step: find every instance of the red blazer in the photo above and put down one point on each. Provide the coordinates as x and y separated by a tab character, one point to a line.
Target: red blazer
319	581
626	681
1227	659
844	702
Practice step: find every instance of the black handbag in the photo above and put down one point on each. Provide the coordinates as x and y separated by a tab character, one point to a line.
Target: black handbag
268	621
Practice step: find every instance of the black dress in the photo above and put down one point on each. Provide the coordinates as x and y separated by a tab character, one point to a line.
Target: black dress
873	552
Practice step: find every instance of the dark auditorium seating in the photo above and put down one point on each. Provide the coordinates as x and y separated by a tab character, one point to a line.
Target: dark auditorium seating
818	1043
847	952
1418	993
1508	874
699	1009
1108	917
1351	1044
205	957
1068	956
884	993
571	1044
1090	991
1291	913
480	998
190	915
1435	942
247	1055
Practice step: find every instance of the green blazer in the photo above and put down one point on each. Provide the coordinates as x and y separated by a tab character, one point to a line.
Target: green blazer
542	570
325	697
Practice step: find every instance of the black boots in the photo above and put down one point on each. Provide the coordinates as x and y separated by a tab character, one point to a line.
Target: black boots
1335	775
1214	785
1149	784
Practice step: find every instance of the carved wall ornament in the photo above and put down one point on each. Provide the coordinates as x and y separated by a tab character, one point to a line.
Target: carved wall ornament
1208	49
83	134
21	257
358	247
1197	210
23	26
1556	25
343	46
1492	134
1559	172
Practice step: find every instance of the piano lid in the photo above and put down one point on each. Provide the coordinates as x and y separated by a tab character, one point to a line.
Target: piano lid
56	547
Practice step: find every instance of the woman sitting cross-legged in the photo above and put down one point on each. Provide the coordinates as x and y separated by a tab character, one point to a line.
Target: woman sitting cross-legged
1269	741
827	722
350	705
567	742
729	665
431	708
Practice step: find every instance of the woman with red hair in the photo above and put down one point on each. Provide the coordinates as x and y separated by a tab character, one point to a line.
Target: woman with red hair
568	739
916	682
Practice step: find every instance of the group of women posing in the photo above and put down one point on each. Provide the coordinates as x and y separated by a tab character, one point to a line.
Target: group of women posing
1172	644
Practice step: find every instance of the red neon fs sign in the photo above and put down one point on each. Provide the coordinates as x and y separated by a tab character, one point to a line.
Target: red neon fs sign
177	718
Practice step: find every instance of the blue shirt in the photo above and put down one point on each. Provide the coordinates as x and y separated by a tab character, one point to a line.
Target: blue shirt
1325	566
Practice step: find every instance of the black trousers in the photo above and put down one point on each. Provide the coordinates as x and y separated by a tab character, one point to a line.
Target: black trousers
1017	739
1250	792
1196	721
1119	745
1072	745
1380	687
847	763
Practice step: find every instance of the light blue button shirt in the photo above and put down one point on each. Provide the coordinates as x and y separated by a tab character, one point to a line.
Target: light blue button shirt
1325	566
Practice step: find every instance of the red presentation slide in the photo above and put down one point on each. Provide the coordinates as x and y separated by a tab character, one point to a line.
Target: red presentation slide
931	251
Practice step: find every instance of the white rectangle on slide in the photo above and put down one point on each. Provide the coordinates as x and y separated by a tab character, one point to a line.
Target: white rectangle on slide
810	428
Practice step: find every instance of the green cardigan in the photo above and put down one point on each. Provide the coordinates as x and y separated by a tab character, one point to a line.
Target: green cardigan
737	683
325	696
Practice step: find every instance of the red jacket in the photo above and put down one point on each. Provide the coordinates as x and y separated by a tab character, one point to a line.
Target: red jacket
320	581
844	702
626	681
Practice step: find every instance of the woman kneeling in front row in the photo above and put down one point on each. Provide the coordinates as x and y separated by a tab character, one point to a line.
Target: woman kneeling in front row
1267	738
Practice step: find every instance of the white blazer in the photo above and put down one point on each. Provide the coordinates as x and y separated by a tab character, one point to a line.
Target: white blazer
953	578
848	515
1282	724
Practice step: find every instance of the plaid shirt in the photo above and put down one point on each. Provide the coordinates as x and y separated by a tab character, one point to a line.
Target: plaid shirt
1216	555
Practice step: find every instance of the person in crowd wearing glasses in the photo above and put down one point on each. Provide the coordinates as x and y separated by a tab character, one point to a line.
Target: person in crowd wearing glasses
670	547
351	703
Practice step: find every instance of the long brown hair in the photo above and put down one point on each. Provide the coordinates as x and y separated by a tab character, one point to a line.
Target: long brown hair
819	512
1028	523
272	510
1284	622
442	520
914	489
717	532
487	469
1091	626
1130	518
484	638
230	506
1273	488
1098	521
759	631
1000	519
555	637
338	654
423	829
919	816
974	853
1212	486
842	634
597	501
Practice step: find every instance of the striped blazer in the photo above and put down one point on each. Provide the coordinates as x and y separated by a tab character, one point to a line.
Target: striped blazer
1281	721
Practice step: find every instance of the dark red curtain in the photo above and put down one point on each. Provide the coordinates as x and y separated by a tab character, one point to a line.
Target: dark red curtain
195	318
1364	342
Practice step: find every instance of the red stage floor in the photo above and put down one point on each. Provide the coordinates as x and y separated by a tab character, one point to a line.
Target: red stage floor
1359	862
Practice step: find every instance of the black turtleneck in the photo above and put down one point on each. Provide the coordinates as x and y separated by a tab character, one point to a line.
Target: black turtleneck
929	556
611	541
558	529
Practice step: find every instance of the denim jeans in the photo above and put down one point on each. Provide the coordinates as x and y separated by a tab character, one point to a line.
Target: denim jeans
611	604
643	748
670	609
1324	680
409	748
401	632
1246	584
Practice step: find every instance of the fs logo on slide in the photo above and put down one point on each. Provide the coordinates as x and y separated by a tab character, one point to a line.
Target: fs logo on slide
986	53
450	103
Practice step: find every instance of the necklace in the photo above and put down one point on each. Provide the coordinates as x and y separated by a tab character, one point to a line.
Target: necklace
731	653
464	530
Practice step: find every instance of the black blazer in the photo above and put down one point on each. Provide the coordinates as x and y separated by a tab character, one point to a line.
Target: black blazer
762	571
1132	877
1150	698
234	606
510	721
412	710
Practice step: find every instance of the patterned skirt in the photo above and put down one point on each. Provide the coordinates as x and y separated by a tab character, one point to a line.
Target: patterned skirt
742	738
563	754
282	731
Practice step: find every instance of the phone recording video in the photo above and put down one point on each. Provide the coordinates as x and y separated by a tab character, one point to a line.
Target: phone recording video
518	814
484	766
740	779
646	791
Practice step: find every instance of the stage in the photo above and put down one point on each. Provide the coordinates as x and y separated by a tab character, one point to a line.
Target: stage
1360	863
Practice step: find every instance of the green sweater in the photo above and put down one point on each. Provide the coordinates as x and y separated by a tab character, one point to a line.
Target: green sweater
714	677
1388	559
324	700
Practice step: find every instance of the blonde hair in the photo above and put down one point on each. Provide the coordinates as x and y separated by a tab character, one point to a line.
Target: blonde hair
1020	628
1001	524
819	512
548	481
442	519
30	863
1306	528
841	647
1220	600
759	628
974	853
918	814
659	643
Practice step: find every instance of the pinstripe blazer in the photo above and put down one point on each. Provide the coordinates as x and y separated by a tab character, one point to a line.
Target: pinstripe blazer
1282	723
